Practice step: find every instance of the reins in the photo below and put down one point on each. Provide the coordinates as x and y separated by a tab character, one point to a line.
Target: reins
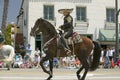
48	42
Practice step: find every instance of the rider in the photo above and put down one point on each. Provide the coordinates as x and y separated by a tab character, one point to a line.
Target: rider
67	27
1	39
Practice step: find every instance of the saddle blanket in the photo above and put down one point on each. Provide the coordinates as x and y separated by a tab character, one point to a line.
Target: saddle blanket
75	38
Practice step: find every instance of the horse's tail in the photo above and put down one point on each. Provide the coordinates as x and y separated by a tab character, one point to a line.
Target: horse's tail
96	56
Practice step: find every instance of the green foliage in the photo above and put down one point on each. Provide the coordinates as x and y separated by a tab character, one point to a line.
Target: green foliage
7	34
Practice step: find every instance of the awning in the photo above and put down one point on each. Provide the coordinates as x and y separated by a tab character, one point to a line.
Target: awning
107	35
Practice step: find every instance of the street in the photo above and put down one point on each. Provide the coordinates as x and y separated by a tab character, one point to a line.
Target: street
59	74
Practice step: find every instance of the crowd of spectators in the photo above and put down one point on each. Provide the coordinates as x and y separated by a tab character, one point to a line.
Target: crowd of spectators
107	59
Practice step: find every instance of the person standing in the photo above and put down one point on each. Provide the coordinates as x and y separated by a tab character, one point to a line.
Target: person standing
67	27
37	51
28	52
111	51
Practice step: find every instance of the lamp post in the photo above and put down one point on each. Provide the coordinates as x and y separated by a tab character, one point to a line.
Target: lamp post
117	36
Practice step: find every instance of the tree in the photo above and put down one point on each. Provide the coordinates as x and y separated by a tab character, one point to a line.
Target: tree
4	17
7	34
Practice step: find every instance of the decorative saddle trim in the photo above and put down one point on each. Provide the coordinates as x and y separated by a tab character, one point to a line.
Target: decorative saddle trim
75	38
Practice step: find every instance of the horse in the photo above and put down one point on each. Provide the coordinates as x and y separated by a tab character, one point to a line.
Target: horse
82	50
7	54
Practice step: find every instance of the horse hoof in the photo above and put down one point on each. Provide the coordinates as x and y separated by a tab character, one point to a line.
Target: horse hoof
8	69
78	76
82	79
49	77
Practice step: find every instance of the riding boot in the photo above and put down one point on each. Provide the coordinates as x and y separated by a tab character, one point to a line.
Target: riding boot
66	47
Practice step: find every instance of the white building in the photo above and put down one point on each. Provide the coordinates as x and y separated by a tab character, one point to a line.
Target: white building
91	17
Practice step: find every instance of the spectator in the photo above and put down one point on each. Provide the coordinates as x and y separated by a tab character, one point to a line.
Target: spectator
28	52
36	60
1	63
18	61
21	46
71	62
102	57
77	62
27	58
110	54
37	51
106	58
56	62
118	62
64	62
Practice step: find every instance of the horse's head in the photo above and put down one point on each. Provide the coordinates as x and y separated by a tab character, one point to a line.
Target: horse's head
47	29
36	29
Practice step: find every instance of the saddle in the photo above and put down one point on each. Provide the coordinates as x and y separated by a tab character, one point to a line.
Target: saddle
75	38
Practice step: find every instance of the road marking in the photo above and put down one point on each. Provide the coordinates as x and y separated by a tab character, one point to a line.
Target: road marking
54	78
65	77
115	77
57	77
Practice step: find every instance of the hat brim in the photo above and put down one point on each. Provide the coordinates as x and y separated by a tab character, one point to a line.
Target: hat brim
62	11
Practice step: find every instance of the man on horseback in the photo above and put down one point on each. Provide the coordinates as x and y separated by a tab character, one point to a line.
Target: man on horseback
6	52
1	39
67	27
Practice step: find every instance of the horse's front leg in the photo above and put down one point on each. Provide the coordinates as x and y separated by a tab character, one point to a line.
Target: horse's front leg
42	66
51	69
44	69
8	65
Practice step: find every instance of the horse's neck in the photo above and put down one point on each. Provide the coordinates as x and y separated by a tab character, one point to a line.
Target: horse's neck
46	39
48	31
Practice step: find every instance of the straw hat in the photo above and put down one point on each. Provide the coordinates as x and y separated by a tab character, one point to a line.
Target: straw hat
62	11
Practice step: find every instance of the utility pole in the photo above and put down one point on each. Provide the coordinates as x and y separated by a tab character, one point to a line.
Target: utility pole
117	32
4	17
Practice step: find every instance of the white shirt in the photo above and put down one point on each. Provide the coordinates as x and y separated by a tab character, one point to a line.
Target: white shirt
37	52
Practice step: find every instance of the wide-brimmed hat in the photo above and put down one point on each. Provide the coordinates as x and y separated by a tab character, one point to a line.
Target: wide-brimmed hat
62	11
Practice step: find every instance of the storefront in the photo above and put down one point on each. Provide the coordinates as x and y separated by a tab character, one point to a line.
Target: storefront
107	38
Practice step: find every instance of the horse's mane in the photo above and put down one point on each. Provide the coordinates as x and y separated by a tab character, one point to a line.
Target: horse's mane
49	27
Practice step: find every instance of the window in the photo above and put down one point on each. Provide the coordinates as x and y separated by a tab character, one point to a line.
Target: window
110	15
38	37
81	14
48	12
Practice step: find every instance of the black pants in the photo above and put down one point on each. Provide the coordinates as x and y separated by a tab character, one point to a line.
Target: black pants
66	35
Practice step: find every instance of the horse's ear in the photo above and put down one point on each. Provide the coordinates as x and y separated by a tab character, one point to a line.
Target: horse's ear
40	18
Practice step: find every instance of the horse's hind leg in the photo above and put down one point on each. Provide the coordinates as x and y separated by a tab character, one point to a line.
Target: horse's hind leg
86	66
78	72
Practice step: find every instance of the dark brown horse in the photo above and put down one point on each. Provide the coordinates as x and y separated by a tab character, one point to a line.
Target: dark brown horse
82	50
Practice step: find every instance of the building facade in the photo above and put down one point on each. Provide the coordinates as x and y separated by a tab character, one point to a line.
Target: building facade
92	18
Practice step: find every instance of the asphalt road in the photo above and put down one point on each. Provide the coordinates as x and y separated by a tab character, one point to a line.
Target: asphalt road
59	74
